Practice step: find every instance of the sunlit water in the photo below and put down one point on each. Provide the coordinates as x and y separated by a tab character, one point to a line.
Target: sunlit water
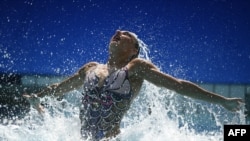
173	117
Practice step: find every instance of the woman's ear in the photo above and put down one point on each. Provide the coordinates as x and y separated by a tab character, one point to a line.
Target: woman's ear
135	55
136	51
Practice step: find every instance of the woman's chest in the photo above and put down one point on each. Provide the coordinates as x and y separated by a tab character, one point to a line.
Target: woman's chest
98	75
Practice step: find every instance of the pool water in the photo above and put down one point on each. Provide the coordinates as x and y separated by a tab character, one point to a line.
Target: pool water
157	114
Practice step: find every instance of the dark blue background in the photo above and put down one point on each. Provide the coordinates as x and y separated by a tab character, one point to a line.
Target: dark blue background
198	40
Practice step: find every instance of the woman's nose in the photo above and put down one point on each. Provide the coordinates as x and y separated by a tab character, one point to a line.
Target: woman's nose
118	31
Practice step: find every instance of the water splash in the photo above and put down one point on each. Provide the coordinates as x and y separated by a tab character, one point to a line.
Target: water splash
156	113
173	117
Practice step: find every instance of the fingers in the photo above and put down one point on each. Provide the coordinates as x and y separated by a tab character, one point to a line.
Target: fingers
40	109
241	100
239	103
26	96
234	104
35	102
237	108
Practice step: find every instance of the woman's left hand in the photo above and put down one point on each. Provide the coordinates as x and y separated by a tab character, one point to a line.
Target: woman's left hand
233	104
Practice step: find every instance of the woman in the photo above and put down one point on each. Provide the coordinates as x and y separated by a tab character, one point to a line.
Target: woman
109	89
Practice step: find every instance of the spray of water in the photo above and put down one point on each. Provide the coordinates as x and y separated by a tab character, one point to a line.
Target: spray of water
156	114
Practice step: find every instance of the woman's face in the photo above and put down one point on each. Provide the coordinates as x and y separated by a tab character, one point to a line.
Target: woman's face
124	42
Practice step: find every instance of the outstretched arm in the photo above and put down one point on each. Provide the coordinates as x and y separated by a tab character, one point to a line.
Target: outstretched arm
59	89
149	72
72	83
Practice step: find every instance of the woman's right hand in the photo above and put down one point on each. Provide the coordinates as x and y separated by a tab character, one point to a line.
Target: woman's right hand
34	101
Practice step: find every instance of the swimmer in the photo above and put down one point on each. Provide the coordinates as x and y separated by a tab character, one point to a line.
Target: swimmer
109	89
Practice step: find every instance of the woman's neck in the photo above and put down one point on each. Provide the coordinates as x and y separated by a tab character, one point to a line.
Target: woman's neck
117	62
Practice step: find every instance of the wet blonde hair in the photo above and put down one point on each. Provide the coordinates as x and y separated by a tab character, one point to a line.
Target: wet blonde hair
140	45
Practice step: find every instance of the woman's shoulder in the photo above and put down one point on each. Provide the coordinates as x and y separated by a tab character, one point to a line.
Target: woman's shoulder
139	62
88	66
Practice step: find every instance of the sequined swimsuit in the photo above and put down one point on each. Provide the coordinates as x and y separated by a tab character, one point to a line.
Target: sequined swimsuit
103	107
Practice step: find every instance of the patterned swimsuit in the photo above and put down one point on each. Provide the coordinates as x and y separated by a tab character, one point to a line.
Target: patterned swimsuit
103	107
